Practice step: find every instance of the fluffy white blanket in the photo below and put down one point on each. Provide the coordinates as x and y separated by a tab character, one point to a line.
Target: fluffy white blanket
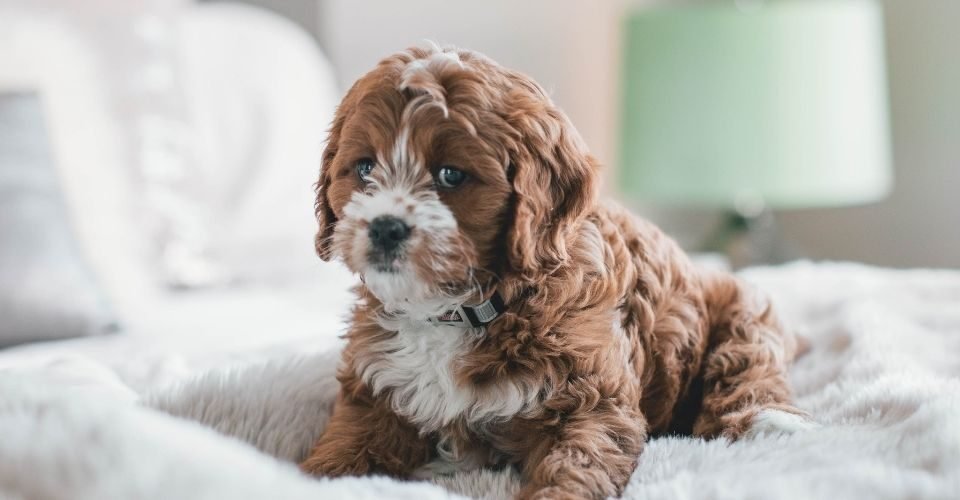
883	380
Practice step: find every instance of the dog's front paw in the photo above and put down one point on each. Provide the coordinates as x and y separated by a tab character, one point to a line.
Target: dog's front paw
769	422
752	423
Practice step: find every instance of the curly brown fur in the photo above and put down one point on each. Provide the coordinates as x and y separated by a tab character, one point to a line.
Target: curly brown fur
610	334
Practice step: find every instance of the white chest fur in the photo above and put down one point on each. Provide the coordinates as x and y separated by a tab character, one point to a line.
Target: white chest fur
418	366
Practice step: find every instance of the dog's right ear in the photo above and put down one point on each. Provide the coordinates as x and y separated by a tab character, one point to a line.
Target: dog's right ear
326	219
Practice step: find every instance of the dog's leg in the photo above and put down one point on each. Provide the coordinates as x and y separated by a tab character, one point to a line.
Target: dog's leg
592	456
745	368
364	436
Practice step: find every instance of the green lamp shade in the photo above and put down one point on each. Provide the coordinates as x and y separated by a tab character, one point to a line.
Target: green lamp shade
783	103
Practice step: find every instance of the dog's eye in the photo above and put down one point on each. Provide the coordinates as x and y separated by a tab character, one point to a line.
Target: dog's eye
364	167
449	177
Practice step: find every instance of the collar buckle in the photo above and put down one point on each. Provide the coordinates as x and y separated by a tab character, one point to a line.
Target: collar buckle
475	316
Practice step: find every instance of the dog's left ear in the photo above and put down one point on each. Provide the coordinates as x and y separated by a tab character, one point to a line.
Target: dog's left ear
554	181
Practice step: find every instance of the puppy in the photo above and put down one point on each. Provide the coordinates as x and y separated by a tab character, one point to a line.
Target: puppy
506	316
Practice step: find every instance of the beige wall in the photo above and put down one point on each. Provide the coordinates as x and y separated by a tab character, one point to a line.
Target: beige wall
571	46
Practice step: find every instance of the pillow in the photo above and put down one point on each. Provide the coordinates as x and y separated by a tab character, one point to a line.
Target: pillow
46	289
127	57
259	95
216	114
185	159
56	48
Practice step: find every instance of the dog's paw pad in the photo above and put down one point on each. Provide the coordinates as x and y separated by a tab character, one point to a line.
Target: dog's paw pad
774	422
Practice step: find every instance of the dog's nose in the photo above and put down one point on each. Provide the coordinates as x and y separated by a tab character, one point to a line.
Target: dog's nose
387	232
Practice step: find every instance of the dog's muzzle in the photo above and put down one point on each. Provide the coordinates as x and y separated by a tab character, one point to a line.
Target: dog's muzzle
387	233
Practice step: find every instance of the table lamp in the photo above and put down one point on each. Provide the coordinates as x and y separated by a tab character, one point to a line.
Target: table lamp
753	106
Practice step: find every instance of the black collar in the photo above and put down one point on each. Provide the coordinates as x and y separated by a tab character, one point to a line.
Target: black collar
474	316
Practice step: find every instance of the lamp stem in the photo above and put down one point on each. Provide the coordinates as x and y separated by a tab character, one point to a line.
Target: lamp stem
750	239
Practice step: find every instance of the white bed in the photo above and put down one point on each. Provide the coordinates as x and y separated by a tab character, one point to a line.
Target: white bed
882	380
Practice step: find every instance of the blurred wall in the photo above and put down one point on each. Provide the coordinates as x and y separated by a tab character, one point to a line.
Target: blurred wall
572	48
303	12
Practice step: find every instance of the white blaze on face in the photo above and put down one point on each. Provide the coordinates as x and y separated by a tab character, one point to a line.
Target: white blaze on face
422	76
400	187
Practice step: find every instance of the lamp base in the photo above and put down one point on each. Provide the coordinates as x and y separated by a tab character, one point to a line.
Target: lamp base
750	239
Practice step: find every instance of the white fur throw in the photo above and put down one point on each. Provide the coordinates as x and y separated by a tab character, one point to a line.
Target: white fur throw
883	379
